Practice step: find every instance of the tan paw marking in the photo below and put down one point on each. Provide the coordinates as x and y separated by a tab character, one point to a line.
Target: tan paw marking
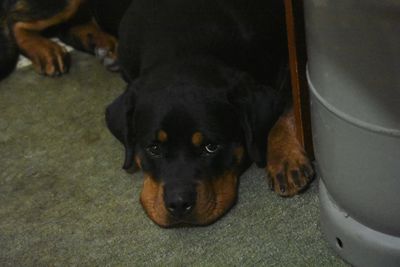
289	169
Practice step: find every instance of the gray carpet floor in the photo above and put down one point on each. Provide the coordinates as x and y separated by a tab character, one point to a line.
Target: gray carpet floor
65	201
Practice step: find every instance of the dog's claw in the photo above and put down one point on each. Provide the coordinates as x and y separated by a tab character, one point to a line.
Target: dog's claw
115	67
296	178
100	52
111	64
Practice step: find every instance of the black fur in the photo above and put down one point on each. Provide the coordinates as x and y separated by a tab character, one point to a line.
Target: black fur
205	65
8	49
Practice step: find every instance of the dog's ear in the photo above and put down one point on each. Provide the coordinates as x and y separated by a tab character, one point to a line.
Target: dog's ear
120	123
257	110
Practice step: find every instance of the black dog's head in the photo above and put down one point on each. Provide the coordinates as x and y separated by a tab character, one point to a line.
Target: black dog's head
192	134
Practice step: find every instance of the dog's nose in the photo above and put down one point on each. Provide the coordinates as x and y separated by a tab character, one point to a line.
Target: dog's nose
180	204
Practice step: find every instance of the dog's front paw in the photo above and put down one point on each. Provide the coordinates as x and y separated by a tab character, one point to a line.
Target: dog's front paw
48	58
289	169
290	172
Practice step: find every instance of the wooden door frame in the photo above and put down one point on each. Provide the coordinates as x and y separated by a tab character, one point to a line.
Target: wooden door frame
297	63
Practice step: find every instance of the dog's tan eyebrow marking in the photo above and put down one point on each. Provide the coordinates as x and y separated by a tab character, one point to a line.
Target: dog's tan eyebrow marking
162	136
197	138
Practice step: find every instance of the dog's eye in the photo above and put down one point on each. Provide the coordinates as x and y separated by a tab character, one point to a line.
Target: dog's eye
211	148
154	150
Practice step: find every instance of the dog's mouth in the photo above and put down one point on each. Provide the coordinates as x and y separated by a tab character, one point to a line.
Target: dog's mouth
214	198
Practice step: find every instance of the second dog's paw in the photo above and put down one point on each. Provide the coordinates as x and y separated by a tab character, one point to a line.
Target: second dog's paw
105	49
107	58
48	58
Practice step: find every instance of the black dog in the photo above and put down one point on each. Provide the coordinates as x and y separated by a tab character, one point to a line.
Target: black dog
204	79
207	95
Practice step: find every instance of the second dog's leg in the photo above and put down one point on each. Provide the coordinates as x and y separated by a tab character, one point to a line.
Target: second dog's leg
47	57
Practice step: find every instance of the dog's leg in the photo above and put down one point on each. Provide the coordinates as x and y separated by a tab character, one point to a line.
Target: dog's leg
47	57
289	169
90	38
